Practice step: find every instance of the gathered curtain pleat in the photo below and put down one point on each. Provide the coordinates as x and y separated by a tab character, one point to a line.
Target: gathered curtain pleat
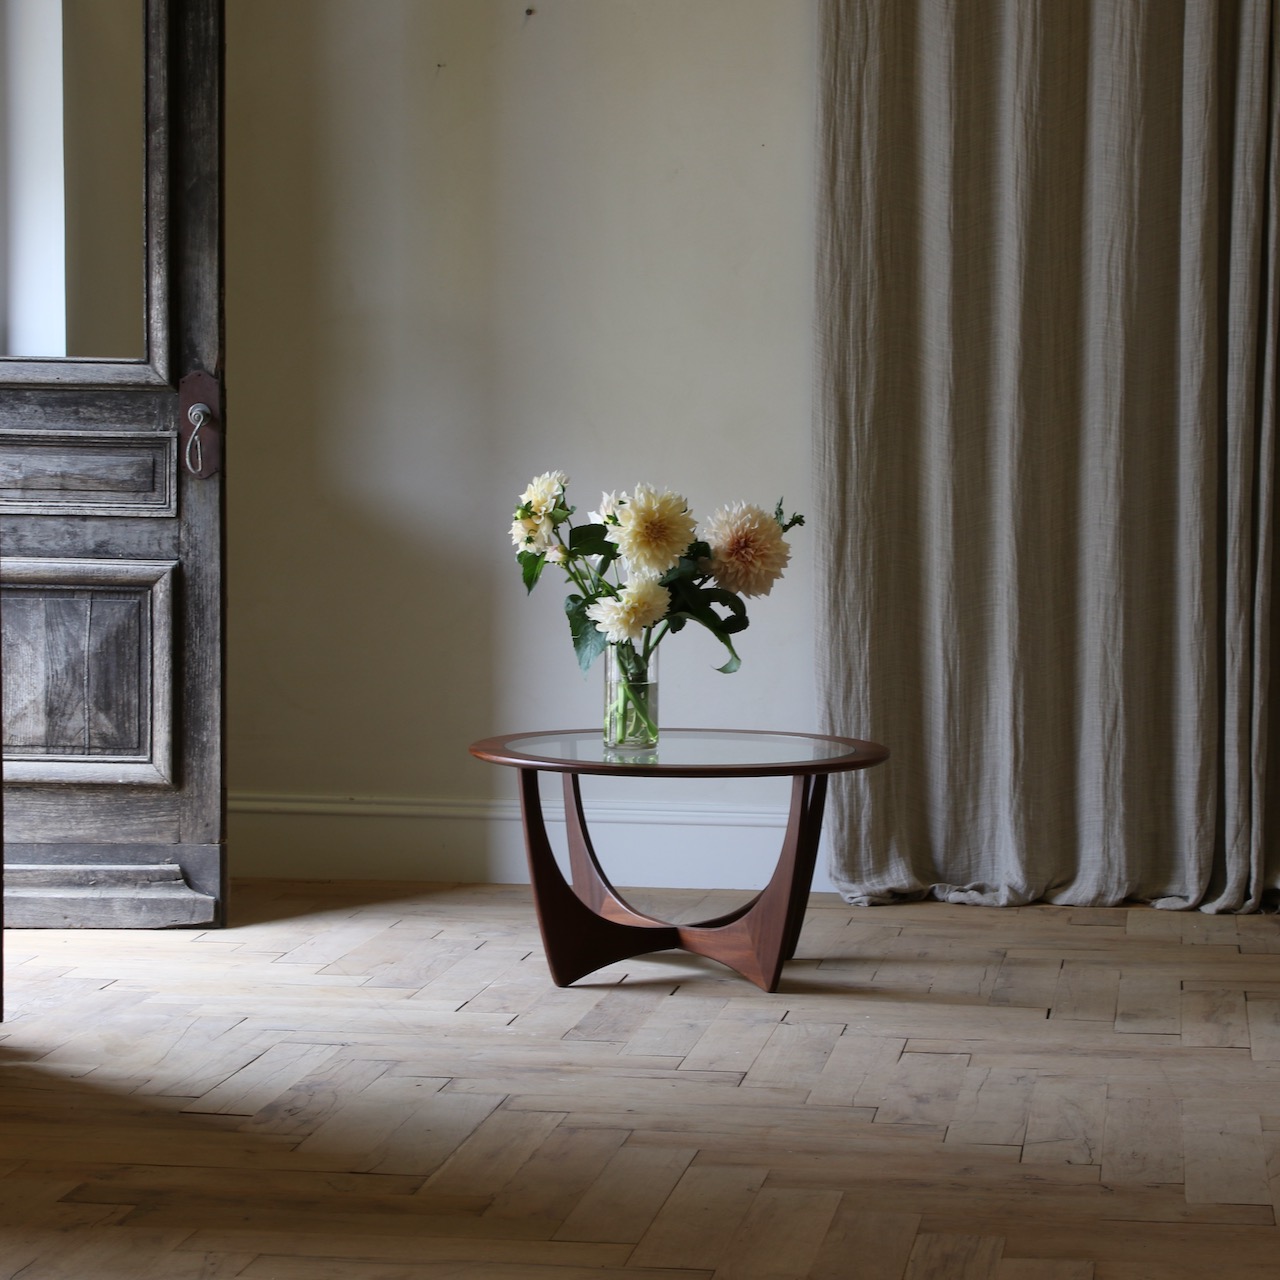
1047	328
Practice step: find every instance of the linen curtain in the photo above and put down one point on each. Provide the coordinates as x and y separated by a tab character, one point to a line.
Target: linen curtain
1047	328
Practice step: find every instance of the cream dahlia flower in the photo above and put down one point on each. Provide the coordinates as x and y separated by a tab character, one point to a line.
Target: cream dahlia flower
653	530
610	503
748	551
545	492
641	603
534	533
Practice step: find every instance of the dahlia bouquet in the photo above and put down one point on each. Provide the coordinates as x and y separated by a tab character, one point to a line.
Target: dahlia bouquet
640	569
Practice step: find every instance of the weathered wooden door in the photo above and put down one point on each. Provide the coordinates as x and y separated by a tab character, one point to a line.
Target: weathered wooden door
110	486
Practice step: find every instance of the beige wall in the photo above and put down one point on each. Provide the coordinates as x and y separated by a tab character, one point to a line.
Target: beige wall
465	244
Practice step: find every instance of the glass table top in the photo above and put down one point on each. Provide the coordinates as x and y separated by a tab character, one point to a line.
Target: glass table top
726	752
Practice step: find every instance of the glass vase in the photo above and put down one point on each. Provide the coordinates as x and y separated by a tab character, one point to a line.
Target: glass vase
630	698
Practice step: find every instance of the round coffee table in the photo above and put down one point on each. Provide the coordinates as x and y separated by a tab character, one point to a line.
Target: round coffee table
587	924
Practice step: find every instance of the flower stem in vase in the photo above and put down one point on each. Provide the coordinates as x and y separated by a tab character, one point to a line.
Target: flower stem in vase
630	696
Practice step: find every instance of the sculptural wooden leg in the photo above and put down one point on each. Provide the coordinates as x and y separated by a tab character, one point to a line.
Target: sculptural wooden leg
808	802
577	940
589	880
758	938
589	925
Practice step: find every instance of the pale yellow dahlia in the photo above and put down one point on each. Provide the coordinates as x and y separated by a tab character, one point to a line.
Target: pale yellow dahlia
609	506
544	492
653	530
533	533
641	603
748	551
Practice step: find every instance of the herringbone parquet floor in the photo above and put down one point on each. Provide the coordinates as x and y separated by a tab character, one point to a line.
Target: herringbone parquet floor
379	1082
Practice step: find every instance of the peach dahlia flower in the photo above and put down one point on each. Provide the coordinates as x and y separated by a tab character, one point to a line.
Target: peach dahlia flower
748	551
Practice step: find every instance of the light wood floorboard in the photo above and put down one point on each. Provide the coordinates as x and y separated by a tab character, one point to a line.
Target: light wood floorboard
380	1082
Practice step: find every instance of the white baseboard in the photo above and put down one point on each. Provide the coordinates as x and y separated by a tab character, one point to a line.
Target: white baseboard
424	838
601	811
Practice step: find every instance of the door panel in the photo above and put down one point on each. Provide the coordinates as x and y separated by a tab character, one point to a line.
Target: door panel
107	473
111	576
89	647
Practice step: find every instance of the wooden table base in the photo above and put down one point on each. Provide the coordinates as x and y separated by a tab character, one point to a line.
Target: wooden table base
588	925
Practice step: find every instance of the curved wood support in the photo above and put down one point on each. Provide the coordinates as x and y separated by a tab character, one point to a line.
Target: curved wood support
577	940
589	925
589	880
759	938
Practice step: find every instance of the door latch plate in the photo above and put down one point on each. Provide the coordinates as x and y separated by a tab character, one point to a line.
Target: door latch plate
200	424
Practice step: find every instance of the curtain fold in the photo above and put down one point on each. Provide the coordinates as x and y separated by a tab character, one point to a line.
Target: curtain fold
1045	447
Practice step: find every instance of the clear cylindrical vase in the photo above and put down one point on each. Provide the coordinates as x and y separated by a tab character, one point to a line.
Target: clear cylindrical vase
630	697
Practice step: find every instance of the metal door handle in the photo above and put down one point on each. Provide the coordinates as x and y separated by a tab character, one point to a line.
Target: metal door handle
193	456
199	397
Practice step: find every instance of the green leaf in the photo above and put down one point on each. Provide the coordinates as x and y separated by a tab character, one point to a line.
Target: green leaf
727	599
695	603
630	662
737	607
717	629
588	643
734	661
689	567
590	540
796	518
532	564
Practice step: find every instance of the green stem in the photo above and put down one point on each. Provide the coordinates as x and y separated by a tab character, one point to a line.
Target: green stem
631	716
651	640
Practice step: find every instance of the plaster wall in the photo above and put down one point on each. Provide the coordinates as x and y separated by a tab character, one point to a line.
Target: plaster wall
469	241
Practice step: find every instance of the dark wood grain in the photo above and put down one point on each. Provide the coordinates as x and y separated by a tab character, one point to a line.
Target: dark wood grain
130	473
586	923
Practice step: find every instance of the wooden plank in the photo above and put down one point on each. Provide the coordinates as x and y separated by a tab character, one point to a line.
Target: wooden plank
954	1257
1043	1269
675	1026
992	1107
494	1153
333	1254
1149	1003
1142	1140
261	1080
697	1225
1215	1019
880	1242
1065	1122
781	1236
735	1037
853	1062
308	1104
1226	1159
555	1178
1086	992
444	1264
922	1090
618	1014
623	1201
794	1055
1264	1029
1197	1248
